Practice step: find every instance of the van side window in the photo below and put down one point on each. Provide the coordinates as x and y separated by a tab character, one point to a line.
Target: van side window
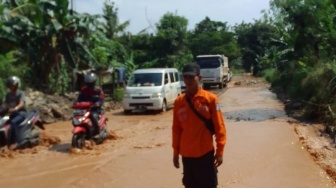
171	75
166	79
177	78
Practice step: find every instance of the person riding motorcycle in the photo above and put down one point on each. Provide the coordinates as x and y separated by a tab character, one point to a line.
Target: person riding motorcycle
91	93
14	104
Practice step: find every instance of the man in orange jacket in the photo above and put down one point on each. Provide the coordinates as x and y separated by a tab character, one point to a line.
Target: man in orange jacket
192	139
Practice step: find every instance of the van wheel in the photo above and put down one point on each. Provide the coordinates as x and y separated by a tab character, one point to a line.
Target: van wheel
164	106
220	86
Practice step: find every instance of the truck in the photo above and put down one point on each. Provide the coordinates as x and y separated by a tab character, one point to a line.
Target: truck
214	70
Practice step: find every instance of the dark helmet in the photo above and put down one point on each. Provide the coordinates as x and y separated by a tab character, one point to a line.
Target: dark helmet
90	79
13	81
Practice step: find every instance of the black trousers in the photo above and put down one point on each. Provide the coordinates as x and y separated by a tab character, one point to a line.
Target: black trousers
94	119
200	172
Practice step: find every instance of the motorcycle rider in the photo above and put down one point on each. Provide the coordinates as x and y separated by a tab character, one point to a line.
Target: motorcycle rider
14	104
91	93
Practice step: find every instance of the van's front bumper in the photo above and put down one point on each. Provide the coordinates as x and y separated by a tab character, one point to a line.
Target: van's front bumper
145	104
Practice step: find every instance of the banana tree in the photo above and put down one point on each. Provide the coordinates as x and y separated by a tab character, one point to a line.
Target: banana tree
44	31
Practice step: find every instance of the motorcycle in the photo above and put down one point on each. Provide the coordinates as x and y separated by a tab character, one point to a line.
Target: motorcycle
83	128
29	135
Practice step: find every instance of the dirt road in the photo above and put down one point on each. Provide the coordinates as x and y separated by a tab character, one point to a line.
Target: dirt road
264	149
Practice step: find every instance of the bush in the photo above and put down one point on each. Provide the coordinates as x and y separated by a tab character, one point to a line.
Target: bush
271	75
119	94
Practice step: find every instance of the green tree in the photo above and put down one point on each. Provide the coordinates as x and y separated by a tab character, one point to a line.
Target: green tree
142	45
213	37
310	28
110	14
109	41
170	43
256	41
44	31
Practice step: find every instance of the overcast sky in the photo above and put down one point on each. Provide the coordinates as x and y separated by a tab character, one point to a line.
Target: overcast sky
146	13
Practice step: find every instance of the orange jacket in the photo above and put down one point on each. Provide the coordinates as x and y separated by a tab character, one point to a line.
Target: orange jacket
191	138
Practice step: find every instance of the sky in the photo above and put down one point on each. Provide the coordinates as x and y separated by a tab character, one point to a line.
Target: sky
145	14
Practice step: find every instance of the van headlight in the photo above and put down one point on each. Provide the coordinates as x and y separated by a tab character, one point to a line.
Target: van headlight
157	95
218	79
127	95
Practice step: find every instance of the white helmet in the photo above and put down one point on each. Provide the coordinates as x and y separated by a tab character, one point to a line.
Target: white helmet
13	81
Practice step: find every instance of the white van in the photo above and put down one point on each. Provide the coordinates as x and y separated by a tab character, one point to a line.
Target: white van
151	89
214	70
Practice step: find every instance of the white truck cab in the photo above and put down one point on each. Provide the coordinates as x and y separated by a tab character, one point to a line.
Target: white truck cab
214	70
151	89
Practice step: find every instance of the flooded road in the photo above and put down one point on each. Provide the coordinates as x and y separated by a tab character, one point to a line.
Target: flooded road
262	150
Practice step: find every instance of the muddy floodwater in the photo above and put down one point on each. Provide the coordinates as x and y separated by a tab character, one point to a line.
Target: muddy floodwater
264	149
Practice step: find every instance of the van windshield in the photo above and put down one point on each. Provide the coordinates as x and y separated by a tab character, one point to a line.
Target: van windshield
145	79
208	63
